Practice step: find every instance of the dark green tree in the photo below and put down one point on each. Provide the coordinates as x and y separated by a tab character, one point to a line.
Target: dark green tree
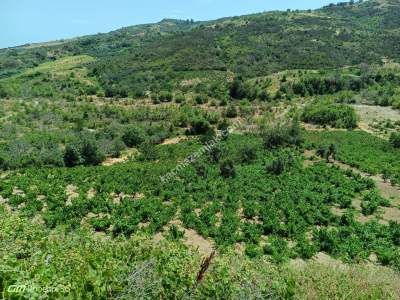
227	169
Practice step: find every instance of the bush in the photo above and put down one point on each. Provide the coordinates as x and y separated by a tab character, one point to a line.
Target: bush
51	157
326	152
306	249
395	140
156	134
3	93
253	251
90	152
165	96
199	126
180	98
208	136
248	154
216	154
117	146
201	99
278	165
175	234
132	136
278	249
283	135
237	89
330	114
227	169
371	202
83	151
72	156
148	151
231	112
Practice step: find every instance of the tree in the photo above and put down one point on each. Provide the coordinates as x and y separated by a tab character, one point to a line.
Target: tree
72	156
90	152
237	89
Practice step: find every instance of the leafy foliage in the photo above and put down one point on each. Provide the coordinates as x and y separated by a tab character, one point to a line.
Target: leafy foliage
330	114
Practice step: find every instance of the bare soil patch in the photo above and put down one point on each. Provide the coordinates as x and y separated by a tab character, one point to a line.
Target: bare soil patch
371	113
175	140
119	160
72	194
191	238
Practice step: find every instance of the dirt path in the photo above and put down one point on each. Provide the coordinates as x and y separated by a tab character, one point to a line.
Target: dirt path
175	140
191	238
119	160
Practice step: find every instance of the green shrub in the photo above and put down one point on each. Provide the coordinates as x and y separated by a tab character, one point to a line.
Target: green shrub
91	152
148	151
132	136
199	126
180	98
330	114
117	146
253	251
248	154
395	140
237	89
278	249
3	93
200	99
165	96
72	156
227	169
282	135
175	234
85	150
231	112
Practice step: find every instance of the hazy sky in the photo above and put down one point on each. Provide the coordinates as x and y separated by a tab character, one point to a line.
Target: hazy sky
26	21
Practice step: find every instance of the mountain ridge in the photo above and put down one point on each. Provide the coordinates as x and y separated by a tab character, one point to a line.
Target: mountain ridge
132	59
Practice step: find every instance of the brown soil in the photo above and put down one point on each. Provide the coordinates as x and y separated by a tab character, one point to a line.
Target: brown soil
112	161
191	238
119	160
72	194
18	192
91	193
175	140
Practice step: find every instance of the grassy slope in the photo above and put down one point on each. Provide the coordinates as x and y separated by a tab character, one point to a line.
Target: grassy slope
65	75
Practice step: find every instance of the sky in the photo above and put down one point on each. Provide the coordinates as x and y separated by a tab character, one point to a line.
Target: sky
30	21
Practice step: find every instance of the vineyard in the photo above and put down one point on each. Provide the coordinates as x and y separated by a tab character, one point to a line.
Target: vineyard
361	150
285	215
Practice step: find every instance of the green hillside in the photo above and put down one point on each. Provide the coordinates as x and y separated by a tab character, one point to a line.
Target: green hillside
250	157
